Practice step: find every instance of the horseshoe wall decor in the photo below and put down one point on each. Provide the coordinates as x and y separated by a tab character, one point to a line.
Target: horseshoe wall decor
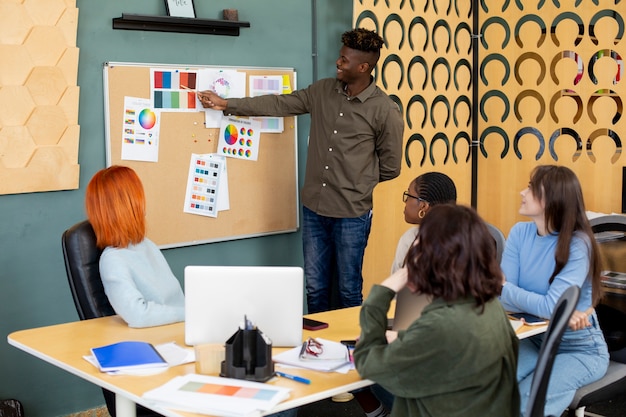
610	94
466	100
438	24
573	96
417	60
565	55
570	16
501	96
535	57
462	63
416	99
606	13
569	132
439	136
604	132
495	20
422	22
367	14
393	17
419	138
439	99
456	8
462	26
440	61
498	130
606	53
392	58
530	18
533	131
530	93
495	57
459	136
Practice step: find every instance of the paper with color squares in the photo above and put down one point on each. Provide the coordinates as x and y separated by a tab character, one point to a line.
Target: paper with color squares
239	138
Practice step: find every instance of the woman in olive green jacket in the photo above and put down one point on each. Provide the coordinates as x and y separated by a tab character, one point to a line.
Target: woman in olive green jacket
459	358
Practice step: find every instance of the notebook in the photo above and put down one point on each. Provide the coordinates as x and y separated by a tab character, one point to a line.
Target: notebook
218	297
409	307
127	355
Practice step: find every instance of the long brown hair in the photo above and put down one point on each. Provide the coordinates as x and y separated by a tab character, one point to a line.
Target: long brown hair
454	256
560	191
116	207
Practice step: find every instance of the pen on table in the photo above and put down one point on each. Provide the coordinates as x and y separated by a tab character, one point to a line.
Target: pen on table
294	377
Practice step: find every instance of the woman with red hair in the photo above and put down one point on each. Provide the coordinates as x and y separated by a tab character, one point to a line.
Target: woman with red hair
137	279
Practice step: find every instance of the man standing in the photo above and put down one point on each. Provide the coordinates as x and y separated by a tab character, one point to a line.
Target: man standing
355	142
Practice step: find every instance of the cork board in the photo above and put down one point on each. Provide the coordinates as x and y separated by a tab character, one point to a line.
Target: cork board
263	194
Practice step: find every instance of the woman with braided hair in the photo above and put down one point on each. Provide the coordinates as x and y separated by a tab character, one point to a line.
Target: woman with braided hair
425	191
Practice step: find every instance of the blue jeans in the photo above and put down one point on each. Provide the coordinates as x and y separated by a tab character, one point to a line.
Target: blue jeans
582	358
332	244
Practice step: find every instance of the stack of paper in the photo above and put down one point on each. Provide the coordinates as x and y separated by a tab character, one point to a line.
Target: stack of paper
333	356
217	396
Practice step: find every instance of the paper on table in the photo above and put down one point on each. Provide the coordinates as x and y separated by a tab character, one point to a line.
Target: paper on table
334	350
217	396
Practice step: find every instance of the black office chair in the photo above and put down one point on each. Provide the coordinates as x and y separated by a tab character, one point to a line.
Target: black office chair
559	320
82	259
613	325
498	236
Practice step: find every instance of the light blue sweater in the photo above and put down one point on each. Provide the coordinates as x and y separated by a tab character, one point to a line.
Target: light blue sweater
141	286
528	262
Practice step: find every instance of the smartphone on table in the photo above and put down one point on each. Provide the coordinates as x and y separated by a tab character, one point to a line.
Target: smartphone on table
310	324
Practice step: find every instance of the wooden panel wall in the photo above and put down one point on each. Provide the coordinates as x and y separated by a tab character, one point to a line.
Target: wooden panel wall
550	91
38	96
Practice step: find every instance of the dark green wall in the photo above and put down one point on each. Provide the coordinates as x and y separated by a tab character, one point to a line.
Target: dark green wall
33	285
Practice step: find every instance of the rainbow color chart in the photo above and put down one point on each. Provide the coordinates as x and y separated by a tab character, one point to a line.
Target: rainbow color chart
174	90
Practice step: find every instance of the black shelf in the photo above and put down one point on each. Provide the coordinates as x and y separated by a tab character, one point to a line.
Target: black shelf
178	24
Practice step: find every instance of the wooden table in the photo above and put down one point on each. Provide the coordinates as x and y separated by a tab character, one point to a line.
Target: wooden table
64	345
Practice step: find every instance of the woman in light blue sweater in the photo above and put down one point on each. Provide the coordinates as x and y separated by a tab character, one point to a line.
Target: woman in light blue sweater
137	279
541	260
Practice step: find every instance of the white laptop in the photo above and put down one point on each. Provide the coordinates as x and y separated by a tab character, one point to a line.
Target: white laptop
409	307
218	297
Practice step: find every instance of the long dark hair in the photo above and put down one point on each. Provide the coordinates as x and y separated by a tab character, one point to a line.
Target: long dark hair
454	256
560	191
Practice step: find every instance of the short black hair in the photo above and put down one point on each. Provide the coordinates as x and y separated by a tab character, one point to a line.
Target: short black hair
363	40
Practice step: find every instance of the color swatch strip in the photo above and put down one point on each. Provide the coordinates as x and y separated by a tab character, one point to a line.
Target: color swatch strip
229	390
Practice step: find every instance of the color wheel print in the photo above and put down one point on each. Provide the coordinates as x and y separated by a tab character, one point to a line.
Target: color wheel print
221	86
147	119
230	134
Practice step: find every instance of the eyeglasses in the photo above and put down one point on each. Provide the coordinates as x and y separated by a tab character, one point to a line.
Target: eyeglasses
311	347
406	195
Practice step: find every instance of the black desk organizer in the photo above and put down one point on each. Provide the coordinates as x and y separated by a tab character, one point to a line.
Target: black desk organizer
248	356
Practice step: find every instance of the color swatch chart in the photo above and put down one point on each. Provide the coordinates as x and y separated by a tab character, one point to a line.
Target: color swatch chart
202	191
239	138
229	390
174	90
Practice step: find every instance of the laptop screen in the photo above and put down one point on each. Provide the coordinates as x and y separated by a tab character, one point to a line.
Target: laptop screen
218	297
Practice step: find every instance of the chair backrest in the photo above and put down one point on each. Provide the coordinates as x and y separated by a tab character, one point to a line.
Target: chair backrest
498	236
83	272
552	339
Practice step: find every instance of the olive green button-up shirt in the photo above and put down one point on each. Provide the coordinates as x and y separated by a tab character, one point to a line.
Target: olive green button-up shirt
355	142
